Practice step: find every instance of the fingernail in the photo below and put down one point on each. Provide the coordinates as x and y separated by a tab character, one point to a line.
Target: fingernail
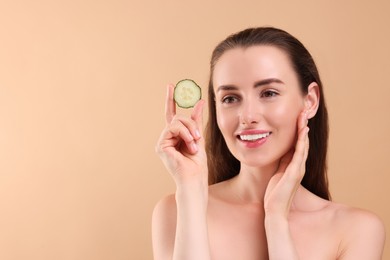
197	134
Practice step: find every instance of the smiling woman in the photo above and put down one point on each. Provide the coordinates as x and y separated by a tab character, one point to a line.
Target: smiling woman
256	186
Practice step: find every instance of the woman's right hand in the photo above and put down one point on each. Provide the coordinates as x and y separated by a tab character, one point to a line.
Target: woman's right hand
181	144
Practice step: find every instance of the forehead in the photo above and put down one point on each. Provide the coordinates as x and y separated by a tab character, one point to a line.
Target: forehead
253	63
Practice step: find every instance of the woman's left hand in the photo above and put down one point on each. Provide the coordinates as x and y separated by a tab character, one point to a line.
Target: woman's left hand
285	182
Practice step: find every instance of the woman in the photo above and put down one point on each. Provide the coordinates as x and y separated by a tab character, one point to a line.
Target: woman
268	197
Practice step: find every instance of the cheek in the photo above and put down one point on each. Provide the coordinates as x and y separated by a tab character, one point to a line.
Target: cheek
287	111
284	119
225	122
283	116
222	121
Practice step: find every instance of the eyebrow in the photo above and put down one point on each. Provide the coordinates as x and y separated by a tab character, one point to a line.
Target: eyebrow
256	85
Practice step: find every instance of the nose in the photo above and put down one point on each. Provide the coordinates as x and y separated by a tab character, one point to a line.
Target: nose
250	113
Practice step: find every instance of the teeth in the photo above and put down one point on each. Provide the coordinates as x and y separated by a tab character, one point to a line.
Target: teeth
253	137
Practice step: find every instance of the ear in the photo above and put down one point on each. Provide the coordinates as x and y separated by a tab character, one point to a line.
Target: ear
312	99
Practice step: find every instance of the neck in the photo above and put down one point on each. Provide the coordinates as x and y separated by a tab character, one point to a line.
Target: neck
251	183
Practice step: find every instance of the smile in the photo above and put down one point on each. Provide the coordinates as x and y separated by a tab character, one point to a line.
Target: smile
253	137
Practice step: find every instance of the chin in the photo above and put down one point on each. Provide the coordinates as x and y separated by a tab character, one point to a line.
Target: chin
258	161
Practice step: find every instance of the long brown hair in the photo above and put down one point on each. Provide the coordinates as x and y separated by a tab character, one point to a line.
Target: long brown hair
221	163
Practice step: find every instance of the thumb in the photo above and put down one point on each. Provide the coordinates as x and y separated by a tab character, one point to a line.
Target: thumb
197	115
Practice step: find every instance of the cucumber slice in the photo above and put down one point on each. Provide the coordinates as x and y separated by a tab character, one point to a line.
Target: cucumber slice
187	93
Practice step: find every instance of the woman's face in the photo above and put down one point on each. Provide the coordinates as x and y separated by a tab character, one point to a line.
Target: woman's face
258	101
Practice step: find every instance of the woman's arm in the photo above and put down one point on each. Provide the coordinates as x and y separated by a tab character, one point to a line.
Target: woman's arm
191	230
280	243
180	222
179	228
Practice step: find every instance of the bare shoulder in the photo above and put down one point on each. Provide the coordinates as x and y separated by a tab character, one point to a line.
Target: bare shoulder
165	207
358	233
164	213
164	226
350	218
362	232
357	220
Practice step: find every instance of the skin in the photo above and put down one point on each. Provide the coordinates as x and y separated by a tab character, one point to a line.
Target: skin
263	212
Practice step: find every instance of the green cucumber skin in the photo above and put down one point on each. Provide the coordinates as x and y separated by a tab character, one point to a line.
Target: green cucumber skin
192	105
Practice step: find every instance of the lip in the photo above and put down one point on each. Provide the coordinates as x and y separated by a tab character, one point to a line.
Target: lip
253	144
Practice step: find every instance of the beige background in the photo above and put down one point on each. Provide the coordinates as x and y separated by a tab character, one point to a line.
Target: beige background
82	87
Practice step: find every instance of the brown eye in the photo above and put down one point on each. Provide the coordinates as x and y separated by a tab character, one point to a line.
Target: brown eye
229	99
269	94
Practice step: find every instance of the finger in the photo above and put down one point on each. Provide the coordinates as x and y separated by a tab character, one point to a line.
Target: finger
191	125
197	116
303	124
300	143
296	167
178	134
307	146
302	120
189	129
170	106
